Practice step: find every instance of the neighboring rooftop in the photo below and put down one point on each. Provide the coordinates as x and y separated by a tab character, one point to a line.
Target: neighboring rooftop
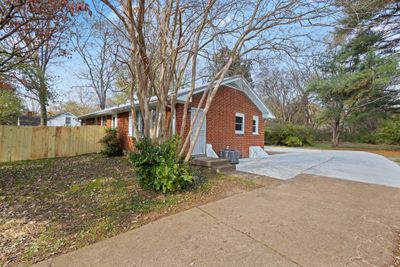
28	120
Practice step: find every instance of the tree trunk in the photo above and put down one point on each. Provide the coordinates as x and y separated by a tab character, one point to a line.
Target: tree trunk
336	134
135	132
102	103
43	104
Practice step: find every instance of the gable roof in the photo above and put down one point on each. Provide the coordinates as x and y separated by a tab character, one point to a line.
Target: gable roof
235	82
238	83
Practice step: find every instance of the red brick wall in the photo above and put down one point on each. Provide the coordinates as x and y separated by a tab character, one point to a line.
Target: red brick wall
91	121
221	121
123	130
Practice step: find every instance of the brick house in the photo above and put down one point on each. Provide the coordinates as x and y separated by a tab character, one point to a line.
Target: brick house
235	118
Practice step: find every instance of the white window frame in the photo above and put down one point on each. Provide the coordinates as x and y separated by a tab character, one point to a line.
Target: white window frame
238	114
114	126
255	118
138	123
130	130
103	120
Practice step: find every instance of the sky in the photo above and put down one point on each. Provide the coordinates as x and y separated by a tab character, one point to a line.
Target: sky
66	70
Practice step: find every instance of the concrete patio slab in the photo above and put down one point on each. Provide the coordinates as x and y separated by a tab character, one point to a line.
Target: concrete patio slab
190	238
306	221
319	221
349	165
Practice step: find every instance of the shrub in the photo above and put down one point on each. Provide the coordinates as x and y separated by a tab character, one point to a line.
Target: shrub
293	141
111	143
158	167
288	135
389	133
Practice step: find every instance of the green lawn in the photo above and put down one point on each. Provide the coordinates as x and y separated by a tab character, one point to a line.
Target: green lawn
356	146
53	206
390	151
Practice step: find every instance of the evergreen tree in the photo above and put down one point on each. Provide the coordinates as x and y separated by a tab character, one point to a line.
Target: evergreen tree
10	104
355	78
360	16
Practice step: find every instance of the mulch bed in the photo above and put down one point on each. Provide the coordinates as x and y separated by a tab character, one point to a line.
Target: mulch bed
53	206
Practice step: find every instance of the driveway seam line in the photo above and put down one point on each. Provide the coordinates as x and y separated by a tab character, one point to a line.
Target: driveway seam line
249	236
319	164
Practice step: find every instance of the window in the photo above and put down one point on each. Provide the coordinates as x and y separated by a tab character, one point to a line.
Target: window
139	123
103	121
130	130
239	123
255	125
114	121
67	121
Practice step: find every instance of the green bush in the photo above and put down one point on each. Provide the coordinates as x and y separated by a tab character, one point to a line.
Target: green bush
293	141
389	133
111	143
288	135
158	167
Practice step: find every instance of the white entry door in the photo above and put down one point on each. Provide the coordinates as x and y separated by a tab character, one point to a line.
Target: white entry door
200	146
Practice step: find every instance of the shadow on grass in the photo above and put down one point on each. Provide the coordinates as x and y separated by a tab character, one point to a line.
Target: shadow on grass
53	206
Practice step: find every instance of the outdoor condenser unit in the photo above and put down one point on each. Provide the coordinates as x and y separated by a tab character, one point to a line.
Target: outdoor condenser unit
232	155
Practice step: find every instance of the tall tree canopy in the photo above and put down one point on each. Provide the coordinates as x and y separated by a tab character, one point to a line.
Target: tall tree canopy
26	24
356	78
43	40
380	16
239	66
10	103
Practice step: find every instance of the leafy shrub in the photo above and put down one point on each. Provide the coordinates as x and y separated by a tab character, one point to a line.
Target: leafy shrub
321	135
389	133
293	141
111	143
158	167
288	135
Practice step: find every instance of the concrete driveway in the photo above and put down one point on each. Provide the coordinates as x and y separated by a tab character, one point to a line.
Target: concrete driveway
306	221
348	165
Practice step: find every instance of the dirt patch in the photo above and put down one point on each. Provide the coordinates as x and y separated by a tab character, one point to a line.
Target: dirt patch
53	206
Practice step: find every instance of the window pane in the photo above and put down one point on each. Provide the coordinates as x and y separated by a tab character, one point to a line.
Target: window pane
238	127
239	119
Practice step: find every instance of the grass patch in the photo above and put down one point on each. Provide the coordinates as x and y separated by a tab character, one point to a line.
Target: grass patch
53	206
390	151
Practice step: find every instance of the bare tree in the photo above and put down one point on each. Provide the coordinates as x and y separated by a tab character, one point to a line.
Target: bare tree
167	39
97	47
42	43
285	91
21	27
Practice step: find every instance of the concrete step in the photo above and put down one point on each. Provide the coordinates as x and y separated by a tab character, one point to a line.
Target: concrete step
210	162
225	168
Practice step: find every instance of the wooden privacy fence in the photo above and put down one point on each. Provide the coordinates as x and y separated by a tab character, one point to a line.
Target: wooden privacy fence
37	142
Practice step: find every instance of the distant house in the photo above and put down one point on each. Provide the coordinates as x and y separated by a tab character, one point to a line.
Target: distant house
63	119
235	119
28	120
